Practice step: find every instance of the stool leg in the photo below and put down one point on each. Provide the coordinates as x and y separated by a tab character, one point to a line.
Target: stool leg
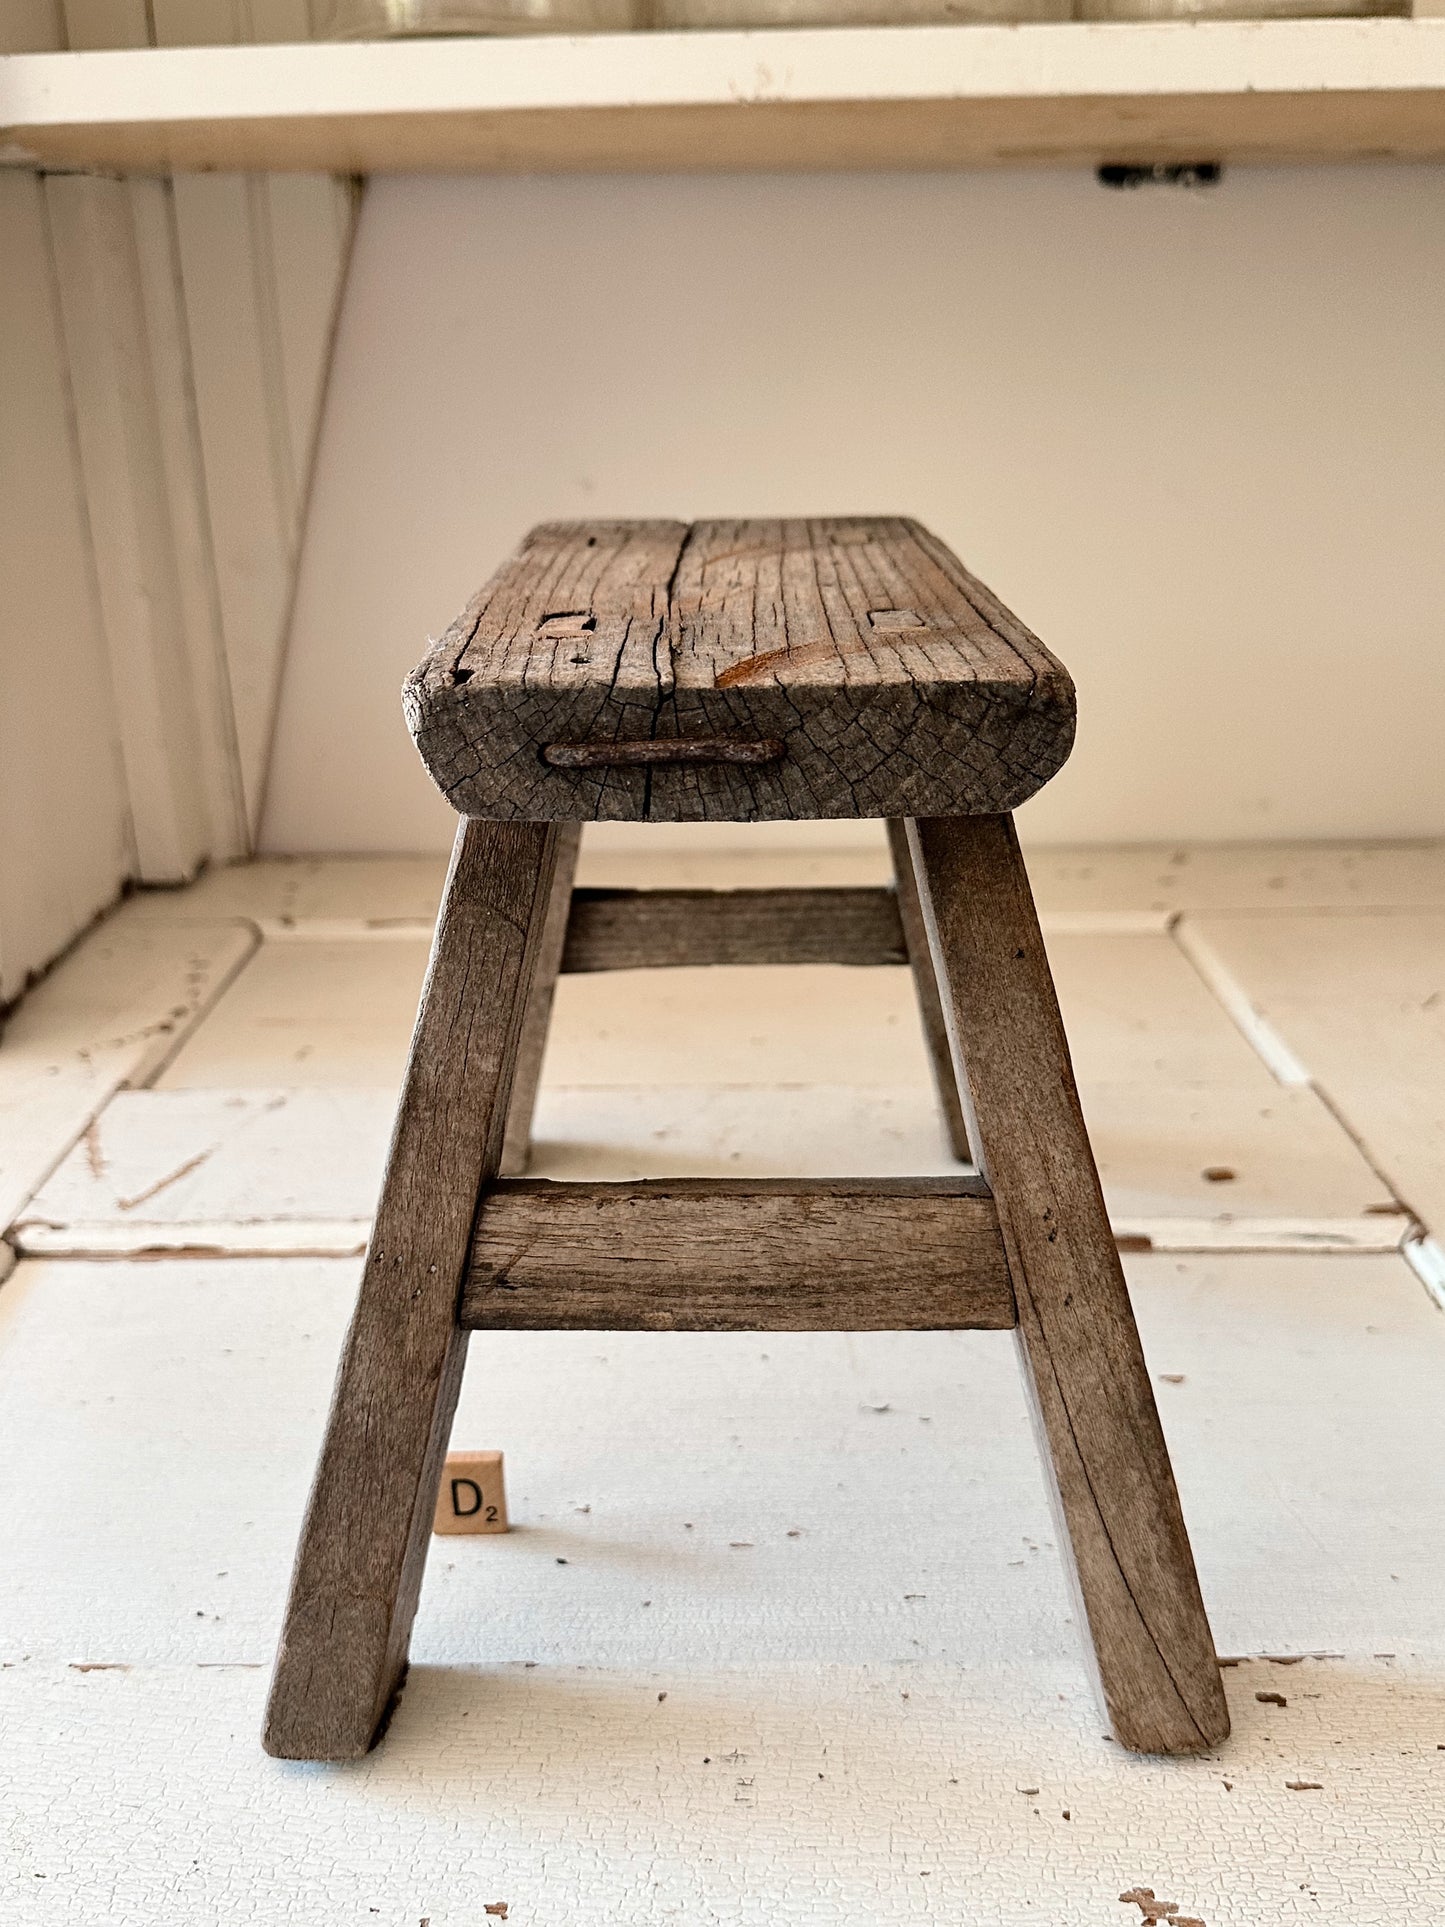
528	1075
1081	1352
363	1545
925	984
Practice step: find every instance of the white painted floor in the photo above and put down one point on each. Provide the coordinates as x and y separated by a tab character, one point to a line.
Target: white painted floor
780	1635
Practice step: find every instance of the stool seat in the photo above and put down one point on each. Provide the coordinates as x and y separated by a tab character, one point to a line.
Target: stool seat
742	671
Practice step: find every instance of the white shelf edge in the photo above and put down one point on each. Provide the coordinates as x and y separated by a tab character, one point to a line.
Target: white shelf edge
47	99
781	66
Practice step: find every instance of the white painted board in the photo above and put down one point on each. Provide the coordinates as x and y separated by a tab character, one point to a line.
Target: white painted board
153	212
367	891
261	263
1058	91
319	1013
753	1795
147	493
299	1170
285	1170
817	1069
1267	876
1359	1001
98	269
158	1425
1147	885
104	1017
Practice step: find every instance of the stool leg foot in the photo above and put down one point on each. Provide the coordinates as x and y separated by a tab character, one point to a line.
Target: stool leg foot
518	1140
363	1545
1082	1359
925	984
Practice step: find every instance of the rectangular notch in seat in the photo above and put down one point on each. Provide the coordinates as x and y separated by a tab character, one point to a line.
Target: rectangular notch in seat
750	1254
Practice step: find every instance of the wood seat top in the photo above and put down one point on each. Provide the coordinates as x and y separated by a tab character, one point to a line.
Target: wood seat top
738	671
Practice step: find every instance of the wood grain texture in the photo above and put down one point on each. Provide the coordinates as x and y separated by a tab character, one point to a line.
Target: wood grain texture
1083	1361
925	984
517	1142
699	1254
894	681
661	929
359	1563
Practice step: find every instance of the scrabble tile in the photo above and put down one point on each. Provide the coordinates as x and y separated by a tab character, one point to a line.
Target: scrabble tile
473	1496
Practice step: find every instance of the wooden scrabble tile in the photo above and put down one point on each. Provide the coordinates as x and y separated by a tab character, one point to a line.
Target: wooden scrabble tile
473	1496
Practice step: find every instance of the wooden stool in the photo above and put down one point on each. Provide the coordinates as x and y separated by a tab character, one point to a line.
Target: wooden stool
739	672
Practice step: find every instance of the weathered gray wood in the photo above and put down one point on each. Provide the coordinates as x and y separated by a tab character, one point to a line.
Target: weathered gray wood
658	929
359	1563
697	1254
925	985
1083	1360
517	1143
894	683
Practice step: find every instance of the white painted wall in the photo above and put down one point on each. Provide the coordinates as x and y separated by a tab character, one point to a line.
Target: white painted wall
1197	440
66	835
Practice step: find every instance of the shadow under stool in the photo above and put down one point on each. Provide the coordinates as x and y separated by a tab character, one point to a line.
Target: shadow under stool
739	672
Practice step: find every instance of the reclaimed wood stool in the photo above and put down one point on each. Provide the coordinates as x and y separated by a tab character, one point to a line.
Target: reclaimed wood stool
739	672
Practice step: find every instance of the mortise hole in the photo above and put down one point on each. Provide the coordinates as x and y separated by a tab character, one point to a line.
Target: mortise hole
567	622
1219	1174
891	619
461	675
